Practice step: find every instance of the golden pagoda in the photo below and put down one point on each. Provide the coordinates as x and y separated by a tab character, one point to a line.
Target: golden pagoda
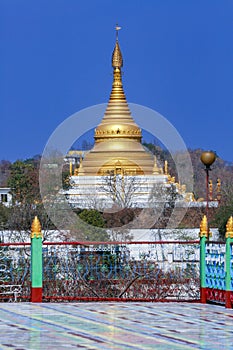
117	151
118	145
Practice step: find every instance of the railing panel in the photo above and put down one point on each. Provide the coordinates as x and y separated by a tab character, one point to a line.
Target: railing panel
15	272
215	265
132	271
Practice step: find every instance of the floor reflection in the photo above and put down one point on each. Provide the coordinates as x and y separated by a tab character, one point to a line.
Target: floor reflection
115	326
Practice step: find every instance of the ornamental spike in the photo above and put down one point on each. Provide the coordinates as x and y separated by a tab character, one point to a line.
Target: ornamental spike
204	229
229	228
36	228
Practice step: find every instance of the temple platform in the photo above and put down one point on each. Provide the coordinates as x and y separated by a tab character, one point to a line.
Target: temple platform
115	326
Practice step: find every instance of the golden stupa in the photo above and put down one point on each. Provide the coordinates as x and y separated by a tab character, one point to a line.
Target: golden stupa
117	151
118	145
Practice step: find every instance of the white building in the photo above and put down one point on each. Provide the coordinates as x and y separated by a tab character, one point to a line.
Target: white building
5	196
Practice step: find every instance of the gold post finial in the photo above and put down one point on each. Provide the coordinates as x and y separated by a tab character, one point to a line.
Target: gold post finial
204	228
229	228
210	190
71	169
36	228
218	190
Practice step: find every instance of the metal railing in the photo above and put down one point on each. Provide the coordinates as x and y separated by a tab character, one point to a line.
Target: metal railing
132	271
121	271
15	259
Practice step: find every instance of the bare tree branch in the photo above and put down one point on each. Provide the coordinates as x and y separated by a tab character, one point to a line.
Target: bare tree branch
121	188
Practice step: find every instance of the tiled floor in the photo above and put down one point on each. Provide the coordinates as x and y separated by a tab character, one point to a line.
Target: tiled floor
115	326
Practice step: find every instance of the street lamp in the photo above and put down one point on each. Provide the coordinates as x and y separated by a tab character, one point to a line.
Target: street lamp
207	158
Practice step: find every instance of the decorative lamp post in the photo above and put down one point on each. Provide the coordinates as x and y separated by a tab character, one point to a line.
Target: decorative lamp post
207	158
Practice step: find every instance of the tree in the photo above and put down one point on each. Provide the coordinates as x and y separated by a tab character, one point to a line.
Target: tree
120	189
20	220
162	201
164	196
24	181
66	179
221	218
4	172
225	209
4	215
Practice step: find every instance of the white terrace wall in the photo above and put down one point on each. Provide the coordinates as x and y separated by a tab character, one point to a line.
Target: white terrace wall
137	235
140	235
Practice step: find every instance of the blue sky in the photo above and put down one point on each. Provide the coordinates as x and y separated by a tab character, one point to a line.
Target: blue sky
55	59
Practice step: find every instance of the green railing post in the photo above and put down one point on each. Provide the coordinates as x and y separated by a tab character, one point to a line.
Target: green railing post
36	261
229	240
204	234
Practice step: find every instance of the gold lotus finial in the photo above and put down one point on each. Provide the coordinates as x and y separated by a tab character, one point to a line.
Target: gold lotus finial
204	229
36	228
229	228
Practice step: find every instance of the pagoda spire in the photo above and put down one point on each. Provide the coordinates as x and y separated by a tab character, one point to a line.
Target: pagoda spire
117	137
117	121
117	60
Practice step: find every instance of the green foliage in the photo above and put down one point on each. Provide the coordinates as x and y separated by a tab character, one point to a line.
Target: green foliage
23	180
4	215
222	216
66	180
22	177
90	227
92	217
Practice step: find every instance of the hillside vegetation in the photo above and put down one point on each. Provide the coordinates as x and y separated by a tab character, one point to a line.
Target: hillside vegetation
23	178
